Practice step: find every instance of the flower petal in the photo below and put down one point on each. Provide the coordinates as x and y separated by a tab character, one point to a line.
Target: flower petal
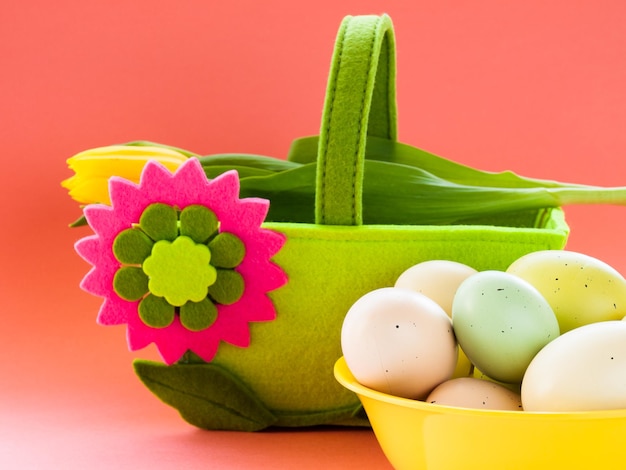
155	176
192	173
127	200
89	249
264	277
115	311
102	219
246	216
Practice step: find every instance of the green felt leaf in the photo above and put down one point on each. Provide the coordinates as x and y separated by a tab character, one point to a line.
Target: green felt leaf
206	395
197	316
156	311
228	288
132	246
227	250
198	223
130	283
352	415
159	221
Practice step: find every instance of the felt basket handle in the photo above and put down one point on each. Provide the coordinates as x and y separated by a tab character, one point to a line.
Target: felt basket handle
360	101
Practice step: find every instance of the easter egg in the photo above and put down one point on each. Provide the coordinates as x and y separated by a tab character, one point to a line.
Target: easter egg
439	280
436	279
582	370
469	392
501	322
478	374
399	342
579	288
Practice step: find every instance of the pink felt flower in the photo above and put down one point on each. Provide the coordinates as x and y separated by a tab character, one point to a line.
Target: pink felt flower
181	260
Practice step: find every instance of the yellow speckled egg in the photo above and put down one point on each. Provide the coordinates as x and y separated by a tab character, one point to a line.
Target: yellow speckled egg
579	288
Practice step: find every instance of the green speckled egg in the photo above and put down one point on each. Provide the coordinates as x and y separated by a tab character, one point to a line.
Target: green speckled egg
501	322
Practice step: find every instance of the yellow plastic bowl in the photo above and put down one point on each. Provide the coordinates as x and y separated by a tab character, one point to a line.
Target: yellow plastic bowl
420	435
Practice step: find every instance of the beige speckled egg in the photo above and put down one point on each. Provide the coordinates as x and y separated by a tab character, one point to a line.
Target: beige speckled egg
469	392
439	280
436	279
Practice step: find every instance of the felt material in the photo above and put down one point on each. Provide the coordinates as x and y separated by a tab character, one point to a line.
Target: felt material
132	246
198	223
241	217
159	222
156	312
196	316
179	270
288	365
225	404
228	288
361	86
329	268
280	372
210	397
130	283
227	249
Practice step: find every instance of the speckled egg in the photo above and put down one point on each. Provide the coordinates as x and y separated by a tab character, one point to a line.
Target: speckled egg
436	279
501	322
469	392
579	288
439	280
582	370
399	342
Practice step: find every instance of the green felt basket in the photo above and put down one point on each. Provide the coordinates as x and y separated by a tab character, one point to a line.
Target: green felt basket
285	377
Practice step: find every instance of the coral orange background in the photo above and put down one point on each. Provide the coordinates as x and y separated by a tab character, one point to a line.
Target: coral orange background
535	87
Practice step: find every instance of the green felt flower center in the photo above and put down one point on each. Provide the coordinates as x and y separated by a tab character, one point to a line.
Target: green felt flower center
178	263
179	271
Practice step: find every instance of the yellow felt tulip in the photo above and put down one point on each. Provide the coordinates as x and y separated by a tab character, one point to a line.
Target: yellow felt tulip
94	167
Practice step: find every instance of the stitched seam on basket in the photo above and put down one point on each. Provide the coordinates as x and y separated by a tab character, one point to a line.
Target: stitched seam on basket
410	242
332	91
388	73
360	128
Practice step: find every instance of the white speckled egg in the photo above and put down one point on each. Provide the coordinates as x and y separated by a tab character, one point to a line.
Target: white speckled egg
582	370
399	342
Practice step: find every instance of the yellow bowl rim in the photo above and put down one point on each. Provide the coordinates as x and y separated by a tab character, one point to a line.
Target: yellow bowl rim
344	377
